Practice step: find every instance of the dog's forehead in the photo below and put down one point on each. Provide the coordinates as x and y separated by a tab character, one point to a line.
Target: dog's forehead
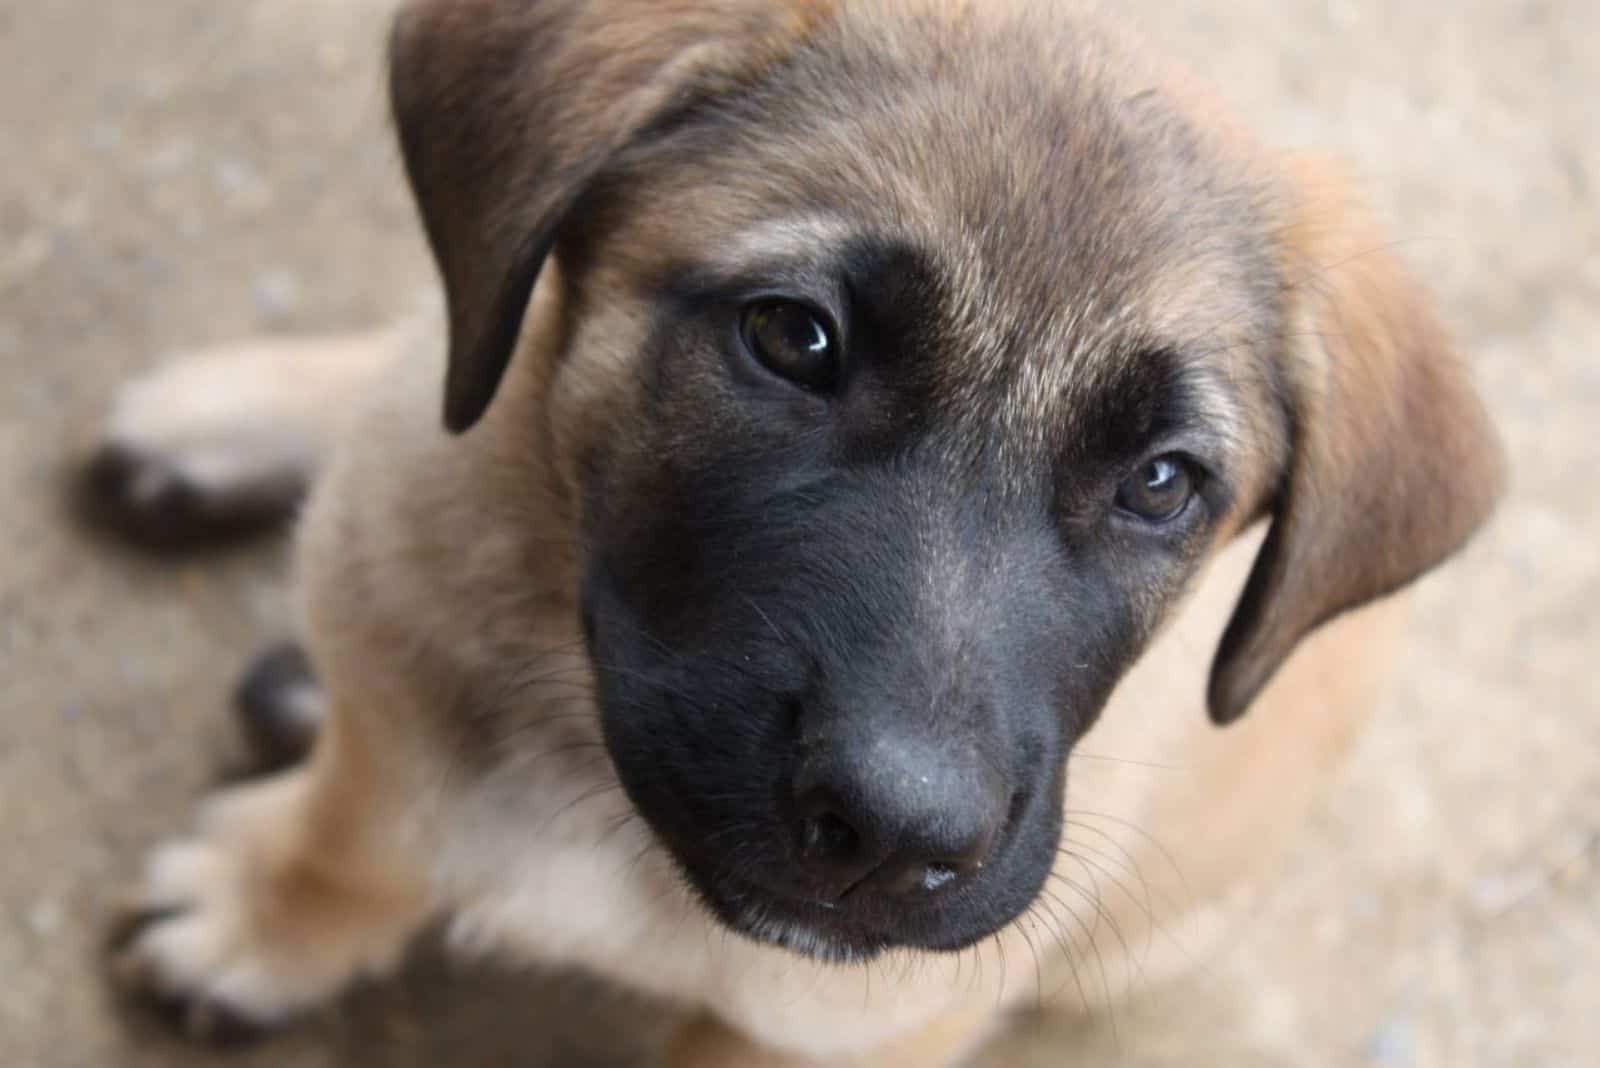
1076	206
1072	209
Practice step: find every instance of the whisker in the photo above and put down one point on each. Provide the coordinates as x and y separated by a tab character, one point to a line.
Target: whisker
1000	949
1102	913
592	792
1127	863
1093	945
1077	755
776	633
1064	941
1038	969
1166	854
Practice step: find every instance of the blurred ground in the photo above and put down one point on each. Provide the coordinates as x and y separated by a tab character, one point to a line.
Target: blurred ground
182	171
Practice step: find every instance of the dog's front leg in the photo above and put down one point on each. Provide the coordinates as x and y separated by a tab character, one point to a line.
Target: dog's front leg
293	885
947	1041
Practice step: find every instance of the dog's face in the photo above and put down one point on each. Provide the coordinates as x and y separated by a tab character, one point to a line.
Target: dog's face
914	358
937	393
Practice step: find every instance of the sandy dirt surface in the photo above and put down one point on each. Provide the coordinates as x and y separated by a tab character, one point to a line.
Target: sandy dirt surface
178	172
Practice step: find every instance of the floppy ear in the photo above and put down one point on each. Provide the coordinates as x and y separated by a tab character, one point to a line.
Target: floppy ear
1394	461
506	109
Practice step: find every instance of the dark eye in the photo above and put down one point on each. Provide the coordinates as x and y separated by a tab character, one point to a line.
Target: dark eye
793	341
1159	490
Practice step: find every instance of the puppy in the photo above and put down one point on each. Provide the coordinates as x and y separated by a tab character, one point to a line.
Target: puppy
862	421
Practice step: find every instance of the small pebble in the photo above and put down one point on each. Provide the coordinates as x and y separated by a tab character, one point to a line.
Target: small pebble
44	918
104	137
1393	1044
1492	895
276	293
235	177
169	158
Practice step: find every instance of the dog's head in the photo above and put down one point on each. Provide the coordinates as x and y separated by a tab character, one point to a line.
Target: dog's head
911	359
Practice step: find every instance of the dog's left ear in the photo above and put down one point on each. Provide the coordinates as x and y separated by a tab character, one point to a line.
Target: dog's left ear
507	109
1394	462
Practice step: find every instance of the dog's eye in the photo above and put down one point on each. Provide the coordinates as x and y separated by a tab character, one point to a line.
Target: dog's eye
1159	490
793	341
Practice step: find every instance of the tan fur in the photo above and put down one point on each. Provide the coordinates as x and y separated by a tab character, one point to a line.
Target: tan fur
429	564
291	887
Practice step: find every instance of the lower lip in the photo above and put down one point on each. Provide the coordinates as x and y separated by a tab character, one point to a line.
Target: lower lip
804	925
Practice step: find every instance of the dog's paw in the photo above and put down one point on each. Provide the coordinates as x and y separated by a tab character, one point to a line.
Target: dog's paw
251	923
162	502
190	944
280	706
193	453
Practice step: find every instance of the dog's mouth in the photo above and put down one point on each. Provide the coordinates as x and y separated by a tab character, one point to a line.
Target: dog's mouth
822	930
836	932
769	904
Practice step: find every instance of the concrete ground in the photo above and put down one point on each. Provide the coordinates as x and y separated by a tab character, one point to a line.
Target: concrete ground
183	171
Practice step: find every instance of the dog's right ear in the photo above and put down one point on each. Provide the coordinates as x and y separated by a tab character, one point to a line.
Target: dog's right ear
506	109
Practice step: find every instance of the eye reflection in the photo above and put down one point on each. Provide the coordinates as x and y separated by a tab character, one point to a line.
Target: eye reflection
1159	490
791	340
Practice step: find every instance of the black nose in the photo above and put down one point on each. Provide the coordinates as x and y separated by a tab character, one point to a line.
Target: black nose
895	816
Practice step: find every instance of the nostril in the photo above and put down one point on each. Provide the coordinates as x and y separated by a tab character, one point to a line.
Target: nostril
825	836
1014	810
